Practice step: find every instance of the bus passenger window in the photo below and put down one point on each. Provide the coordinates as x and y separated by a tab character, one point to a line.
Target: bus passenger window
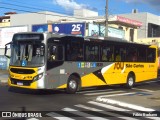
53	53
151	54
104	56
118	57
134	56
92	53
107	53
142	54
80	54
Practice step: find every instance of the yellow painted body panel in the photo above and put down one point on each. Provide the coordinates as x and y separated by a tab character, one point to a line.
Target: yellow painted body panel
22	77
63	86
32	86
91	80
117	73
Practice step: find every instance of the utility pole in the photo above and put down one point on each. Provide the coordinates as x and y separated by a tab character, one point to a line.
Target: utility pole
106	21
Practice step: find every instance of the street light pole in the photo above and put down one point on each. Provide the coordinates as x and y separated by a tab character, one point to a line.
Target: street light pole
106	21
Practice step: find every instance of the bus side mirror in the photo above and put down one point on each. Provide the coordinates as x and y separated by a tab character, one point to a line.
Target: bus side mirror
5	52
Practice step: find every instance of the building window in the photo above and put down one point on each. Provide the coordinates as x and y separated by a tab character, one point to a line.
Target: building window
120	27
132	35
153	30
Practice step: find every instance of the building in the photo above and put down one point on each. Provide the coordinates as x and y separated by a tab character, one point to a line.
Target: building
5	20
149	32
92	24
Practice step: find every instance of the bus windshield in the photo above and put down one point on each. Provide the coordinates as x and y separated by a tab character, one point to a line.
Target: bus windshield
29	55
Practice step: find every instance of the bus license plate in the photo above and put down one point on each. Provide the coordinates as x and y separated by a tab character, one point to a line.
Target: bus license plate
19	83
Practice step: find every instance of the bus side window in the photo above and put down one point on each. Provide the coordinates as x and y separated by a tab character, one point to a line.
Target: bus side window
92	53
117	54
107	53
151	54
52	53
142	54
55	52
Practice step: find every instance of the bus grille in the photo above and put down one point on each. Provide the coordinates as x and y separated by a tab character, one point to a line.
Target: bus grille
25	82
22	71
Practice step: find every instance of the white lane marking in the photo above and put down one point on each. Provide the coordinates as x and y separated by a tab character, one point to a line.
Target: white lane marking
89	116
58	116
117	94
69	109
123	104
104	112
108	106
92	91
97	118
88	108
103	93
146	90
63	118
32	119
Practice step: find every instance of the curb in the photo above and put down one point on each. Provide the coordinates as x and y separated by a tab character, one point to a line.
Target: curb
3	81
123	104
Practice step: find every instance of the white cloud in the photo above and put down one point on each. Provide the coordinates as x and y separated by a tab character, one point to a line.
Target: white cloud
69	4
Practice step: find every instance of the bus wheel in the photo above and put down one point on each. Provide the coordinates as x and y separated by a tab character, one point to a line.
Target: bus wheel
130	81
72	85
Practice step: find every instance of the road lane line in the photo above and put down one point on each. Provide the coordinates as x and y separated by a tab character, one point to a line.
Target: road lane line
32	119
123	104
92	91
104	112
108	106
146	90
117	94
58	116
97	118
83	114
139	108
104	93
88	108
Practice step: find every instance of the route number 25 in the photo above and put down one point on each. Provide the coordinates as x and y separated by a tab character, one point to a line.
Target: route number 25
76	27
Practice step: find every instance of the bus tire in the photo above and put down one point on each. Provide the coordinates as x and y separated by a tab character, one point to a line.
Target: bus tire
130	81
72	85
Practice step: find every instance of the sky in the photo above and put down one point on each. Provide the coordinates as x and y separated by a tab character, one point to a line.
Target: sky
67	6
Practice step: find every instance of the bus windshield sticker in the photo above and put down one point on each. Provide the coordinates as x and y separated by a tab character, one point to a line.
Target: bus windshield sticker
24	63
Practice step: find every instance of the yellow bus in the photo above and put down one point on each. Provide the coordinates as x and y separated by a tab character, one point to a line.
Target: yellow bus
54	61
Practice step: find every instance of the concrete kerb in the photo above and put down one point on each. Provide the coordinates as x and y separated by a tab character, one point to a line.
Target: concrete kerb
3	81
3	76
123	104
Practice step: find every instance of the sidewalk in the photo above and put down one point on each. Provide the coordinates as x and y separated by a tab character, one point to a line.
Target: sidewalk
136	101
3	76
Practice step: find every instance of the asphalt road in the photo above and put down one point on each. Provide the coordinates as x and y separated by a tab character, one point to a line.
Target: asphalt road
55	100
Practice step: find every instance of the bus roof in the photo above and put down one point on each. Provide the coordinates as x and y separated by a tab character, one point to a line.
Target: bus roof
89	38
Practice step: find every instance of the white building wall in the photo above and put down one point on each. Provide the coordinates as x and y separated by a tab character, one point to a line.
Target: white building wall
27	19
145	18
85	13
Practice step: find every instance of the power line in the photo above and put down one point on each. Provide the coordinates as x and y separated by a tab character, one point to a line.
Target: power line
28	7
45	10
106	23
83	18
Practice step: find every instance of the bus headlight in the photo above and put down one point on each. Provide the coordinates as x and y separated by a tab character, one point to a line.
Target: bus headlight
38	77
